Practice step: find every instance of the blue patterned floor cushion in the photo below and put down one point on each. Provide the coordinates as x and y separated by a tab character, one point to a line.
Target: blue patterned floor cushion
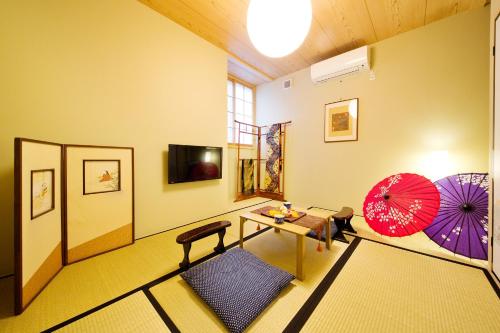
237	285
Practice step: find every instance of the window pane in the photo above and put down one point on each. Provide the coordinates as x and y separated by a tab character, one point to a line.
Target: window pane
239	90
248	95
247	139
248	109
230	105
240	108
239	117
239	104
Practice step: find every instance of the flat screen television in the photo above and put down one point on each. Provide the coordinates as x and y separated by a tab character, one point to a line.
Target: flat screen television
193	163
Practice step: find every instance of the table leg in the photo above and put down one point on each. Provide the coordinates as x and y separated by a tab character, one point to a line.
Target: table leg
328	234
242	224
276	230
300	256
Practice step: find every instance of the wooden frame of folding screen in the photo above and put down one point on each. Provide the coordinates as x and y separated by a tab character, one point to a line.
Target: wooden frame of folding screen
38	237
104	220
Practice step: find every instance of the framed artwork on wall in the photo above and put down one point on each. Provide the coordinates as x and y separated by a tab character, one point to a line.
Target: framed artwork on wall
42	192
101	176
341	121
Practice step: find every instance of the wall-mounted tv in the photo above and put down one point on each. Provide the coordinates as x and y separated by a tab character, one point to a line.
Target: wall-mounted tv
193	163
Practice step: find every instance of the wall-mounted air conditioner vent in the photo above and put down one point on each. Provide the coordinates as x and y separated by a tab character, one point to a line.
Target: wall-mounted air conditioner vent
344	64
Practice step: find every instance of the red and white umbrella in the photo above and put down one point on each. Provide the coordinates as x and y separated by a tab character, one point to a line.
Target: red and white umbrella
401	205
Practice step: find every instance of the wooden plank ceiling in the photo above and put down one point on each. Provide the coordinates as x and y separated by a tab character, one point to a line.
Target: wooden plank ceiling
337	26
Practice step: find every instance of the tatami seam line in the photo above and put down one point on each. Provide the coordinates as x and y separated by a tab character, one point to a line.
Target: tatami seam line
161	232
207	218
148	285
333	210
485	271
301	317
489	275
161	312
306	310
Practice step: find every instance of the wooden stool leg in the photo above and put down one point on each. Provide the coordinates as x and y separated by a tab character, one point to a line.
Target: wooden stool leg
339	235
185	263
348	225
220	247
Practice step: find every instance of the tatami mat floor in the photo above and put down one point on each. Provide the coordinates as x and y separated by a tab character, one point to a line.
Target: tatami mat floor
89	283
132	314
368	289
384	289
175	295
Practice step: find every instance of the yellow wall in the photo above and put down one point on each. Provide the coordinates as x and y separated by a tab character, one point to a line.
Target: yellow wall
111	72
430	94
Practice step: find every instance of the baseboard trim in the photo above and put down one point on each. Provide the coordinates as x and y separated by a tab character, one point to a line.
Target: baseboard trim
211	217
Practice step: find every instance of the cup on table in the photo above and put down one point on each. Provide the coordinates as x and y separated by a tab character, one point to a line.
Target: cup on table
279	218
287	204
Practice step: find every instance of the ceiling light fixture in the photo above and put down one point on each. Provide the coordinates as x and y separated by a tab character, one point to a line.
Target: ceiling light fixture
278	27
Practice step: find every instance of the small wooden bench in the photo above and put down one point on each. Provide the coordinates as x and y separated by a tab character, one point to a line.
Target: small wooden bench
343	218
193	235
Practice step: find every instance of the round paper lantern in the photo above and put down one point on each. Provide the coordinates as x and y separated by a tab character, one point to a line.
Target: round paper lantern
278	27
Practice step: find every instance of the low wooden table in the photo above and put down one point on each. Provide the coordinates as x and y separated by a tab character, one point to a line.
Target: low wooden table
299	231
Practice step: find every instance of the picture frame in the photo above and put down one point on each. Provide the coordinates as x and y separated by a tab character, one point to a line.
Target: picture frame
42	192
101	176
341	121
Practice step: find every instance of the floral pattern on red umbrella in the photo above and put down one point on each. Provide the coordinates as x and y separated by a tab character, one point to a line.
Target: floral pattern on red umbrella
401	205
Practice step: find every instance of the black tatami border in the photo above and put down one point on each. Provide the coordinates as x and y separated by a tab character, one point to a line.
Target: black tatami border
163	231
485	271
164	316
147	286
207	218
312	302
304	312
333	210
489	275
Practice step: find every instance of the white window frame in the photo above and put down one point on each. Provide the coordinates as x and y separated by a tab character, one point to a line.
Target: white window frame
234	140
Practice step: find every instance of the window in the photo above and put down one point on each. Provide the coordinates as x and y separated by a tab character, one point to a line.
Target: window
239	107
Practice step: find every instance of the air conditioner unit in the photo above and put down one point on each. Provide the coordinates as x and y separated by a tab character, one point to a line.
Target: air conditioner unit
344	64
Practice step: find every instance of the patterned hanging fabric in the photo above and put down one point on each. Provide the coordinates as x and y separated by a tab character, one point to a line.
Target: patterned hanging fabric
272	175
247	176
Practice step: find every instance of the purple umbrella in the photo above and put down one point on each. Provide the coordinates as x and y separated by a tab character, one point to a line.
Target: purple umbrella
461	225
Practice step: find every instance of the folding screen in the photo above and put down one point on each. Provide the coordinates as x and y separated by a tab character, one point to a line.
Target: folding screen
38	217
99	200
